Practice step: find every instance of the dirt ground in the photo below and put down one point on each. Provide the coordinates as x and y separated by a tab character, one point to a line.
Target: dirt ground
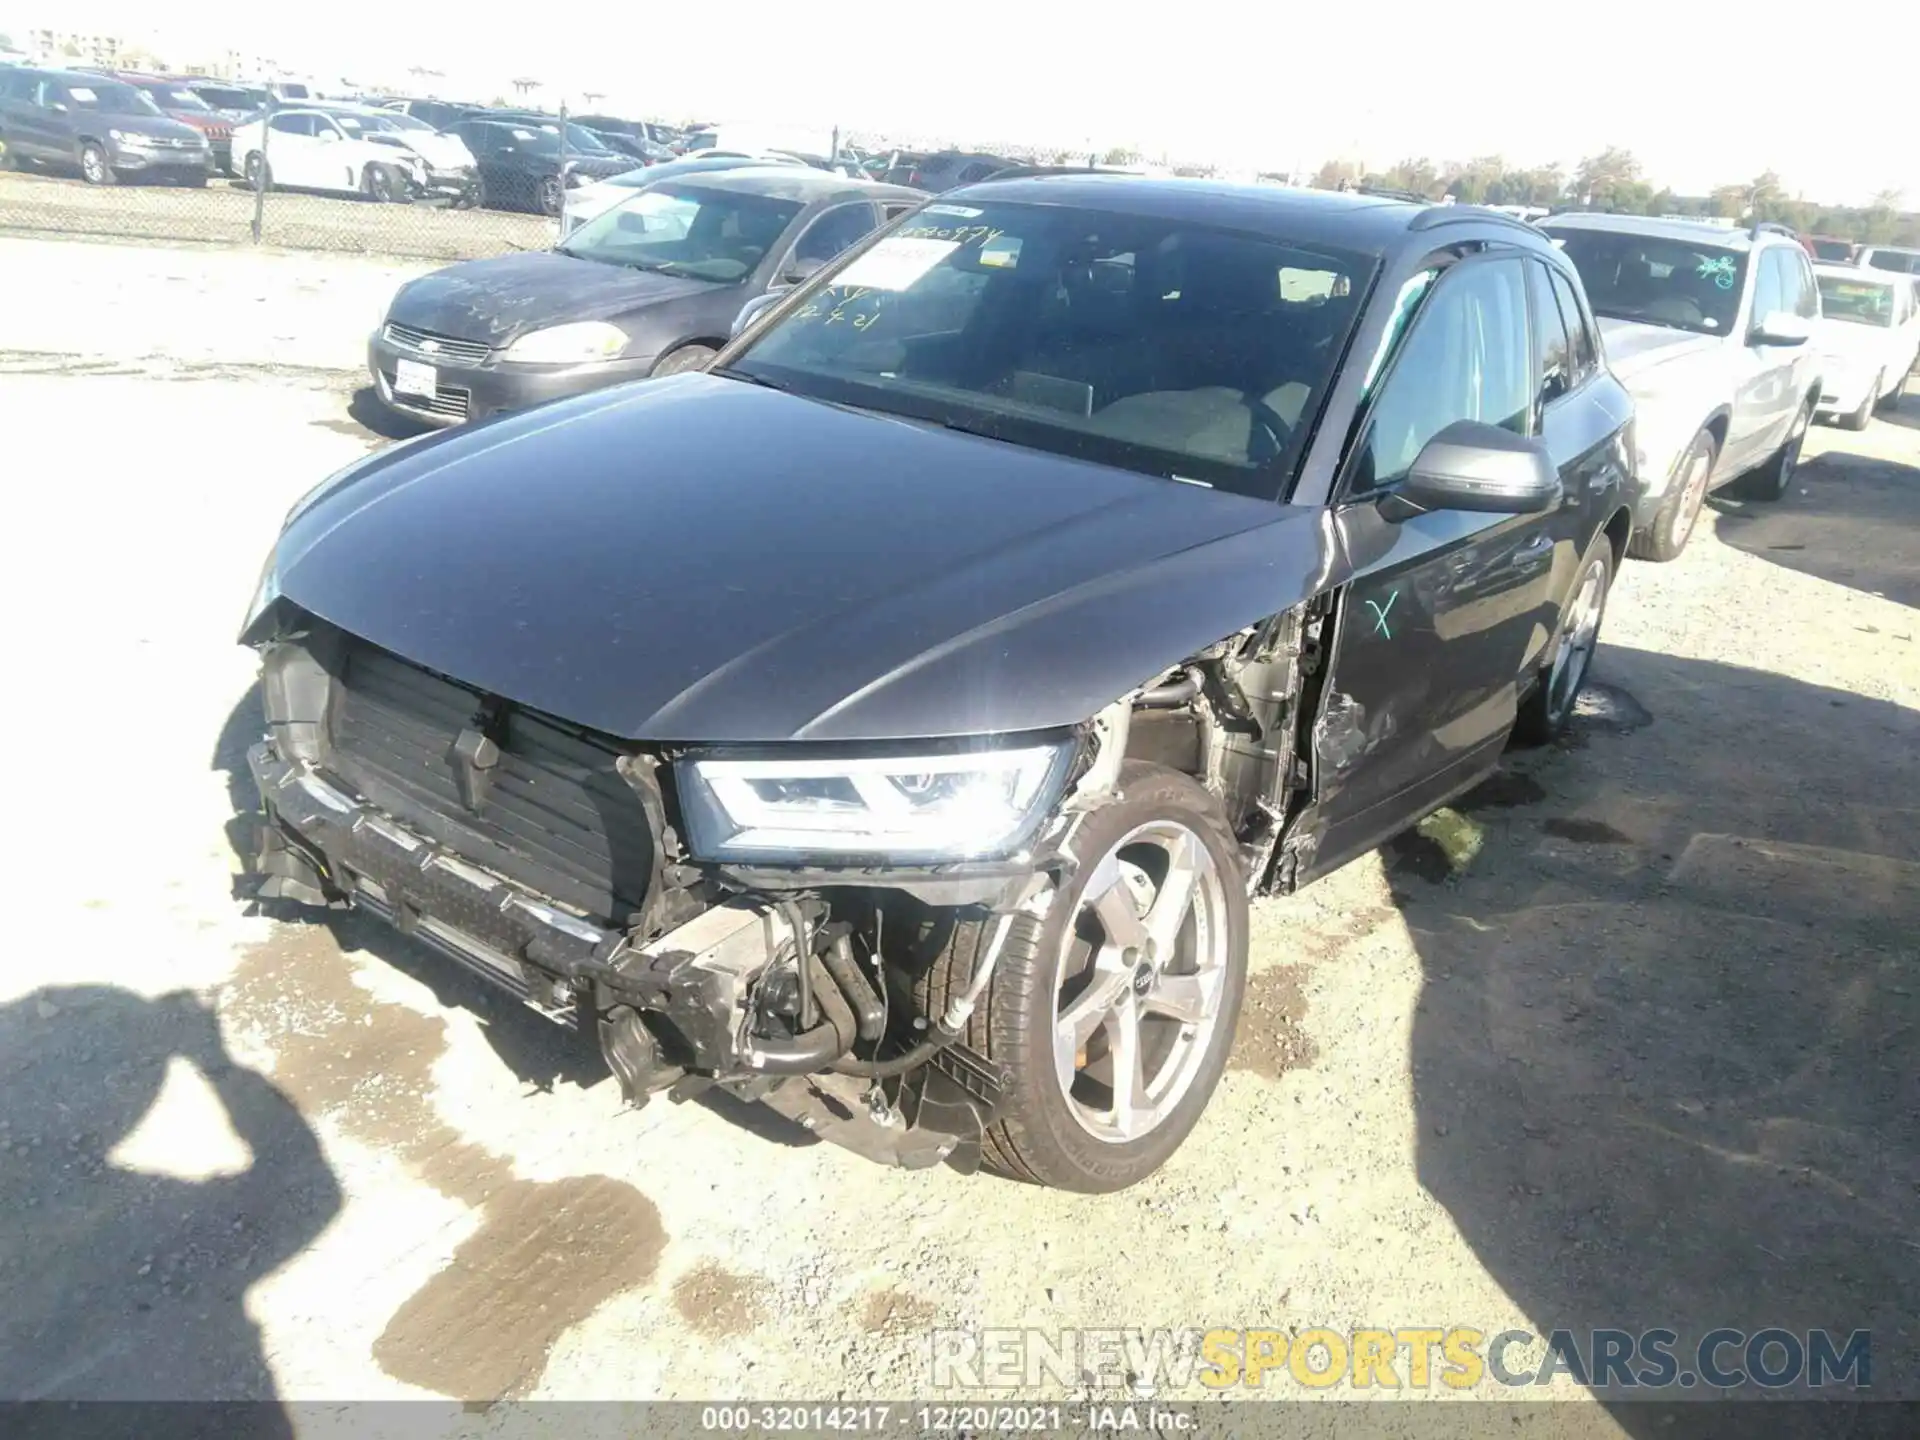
1629	1041
223	211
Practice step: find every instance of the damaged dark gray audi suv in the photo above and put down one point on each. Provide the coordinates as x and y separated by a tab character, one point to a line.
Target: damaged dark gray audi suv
897	717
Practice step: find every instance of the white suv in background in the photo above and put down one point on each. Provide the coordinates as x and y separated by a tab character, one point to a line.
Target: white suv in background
1709	329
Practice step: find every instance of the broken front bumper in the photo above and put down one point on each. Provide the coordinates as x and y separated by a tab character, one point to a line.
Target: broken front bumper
319	845
673	1012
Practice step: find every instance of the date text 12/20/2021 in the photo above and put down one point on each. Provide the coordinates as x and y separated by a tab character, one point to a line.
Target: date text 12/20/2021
930	1419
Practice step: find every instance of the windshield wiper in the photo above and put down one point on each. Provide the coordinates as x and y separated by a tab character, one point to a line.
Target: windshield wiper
728	372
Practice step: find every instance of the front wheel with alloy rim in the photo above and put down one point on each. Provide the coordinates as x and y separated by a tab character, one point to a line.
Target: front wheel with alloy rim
1546	712
550	196
1861	418
259	177
94	168
1114	1013
1673	523
1773	479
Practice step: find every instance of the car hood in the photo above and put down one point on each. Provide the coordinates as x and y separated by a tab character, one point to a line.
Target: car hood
443	152
1849	339
496	300
700	559
149	125
1633	348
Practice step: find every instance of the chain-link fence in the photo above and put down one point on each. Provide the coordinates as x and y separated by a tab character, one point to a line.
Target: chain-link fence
225	211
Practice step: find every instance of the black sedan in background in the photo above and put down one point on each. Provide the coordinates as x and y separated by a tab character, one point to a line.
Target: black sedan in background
524	166
648	288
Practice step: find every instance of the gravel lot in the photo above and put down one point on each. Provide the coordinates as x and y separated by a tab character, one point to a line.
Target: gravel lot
1630	1044
223	212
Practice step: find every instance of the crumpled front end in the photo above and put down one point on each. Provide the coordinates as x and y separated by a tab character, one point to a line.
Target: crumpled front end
547	860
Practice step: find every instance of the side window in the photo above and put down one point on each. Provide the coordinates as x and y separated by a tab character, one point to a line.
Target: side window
291	124
1806	301
898	208
1770	292
832	233
1586	355
1467	357
1552	359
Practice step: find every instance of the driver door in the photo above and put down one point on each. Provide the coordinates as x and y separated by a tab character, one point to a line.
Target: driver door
1431	634
290	148
819	240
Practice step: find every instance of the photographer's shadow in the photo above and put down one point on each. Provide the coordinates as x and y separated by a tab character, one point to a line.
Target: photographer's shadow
126	1277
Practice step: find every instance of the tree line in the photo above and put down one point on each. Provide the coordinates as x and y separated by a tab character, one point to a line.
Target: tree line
1612	181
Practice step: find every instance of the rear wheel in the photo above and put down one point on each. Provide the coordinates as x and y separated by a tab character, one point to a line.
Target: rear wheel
259	176
94	168
1546	712
1114	1014
550	194
1673	523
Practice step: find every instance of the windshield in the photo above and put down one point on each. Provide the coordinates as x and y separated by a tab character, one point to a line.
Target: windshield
1832	249
542	137
1160	345
231	99
1901	262
1657	281
399	120
110	97
177	98
715	235
1863	302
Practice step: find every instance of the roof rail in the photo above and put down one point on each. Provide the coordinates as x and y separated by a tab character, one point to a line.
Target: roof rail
1438	215
1388	192
1772	227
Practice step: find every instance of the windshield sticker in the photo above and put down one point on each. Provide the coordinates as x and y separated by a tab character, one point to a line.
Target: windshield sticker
896	262
1719	270
82	94
960	210
959	234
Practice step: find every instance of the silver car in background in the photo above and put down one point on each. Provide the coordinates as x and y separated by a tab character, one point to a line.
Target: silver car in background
1708	327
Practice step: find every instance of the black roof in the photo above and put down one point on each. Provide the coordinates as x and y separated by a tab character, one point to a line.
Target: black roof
1349	221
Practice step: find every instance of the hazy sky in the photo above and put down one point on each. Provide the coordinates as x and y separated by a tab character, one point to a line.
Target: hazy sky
1704	94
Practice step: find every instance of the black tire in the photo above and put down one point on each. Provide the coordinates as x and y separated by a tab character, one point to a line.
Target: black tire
1672	525
195	182
376	185
1861	418
1546	712
8	160
1037	1137
549	195
94	168
258	173
687	357
1773	479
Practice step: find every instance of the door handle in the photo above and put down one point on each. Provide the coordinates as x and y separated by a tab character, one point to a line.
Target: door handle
1539	541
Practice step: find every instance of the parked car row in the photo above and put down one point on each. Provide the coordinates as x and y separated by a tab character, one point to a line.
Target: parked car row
909	692
105	128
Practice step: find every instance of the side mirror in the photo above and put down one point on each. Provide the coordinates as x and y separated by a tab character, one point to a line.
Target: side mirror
754	309
1781	327
798	272
1471	465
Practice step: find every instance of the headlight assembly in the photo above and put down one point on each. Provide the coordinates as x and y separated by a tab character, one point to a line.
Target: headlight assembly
266	590
906	809
569	344
132	139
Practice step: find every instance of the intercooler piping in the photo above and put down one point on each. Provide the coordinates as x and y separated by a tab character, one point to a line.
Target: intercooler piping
1173	694
815	1049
